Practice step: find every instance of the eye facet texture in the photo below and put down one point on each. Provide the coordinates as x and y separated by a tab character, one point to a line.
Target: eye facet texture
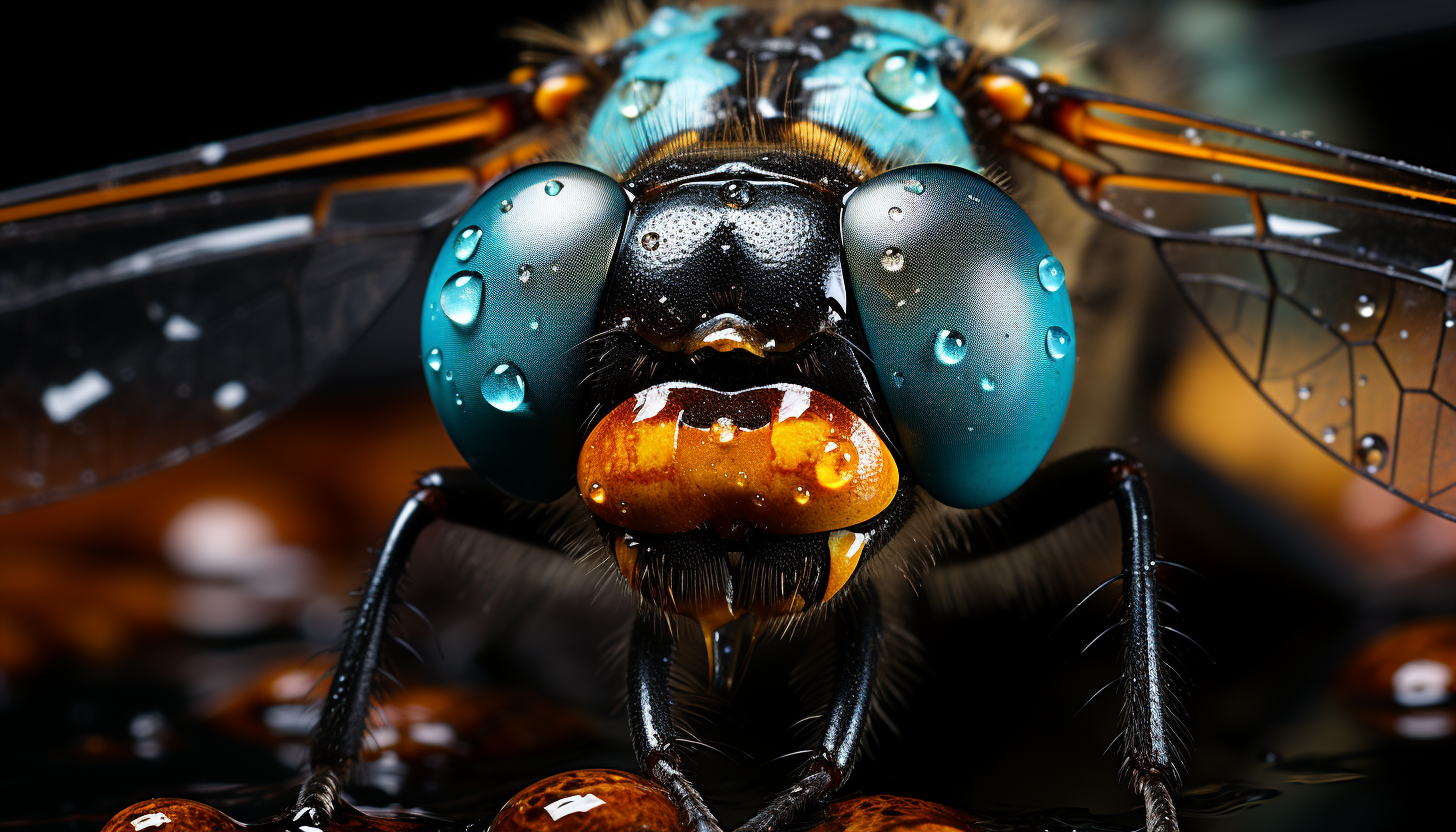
974	353
513	294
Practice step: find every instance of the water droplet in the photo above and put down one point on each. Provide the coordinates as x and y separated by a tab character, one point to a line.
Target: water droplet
1404	334
906	80
1371	452
1058	343
1343	402
622	507
950	346
639	97
915	186
741	480
892	260
504	387
801	495
535	323
736	193
523	273
988	384
506	205
597	493
1362	380
1051	274
1304	392
1365	306
898	378
460	298
896	215
1329	434
758	500
650	241
466	242
449	375
436	360
459	401
723	430
553	187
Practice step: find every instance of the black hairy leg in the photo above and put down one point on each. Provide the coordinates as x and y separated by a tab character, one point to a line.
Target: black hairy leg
1055	495
453	494
655	741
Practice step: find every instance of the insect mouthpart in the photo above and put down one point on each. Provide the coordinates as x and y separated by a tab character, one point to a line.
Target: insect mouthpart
719	505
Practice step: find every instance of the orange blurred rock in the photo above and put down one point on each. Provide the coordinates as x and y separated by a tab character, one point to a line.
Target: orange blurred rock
280	705
886	813
1403	683
1412	665
590	800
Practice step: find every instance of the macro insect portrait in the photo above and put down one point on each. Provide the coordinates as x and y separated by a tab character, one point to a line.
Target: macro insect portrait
791	370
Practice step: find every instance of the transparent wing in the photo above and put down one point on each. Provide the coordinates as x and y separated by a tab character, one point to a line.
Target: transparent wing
1325	274
153	310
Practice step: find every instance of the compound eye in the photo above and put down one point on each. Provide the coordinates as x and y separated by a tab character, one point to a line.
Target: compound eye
968	323
513	294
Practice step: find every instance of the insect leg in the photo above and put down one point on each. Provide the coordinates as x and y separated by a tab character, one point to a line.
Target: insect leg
649	716
1055	495
455	494
857	651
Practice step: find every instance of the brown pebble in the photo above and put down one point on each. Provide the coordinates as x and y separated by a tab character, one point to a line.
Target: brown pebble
590	800
886	813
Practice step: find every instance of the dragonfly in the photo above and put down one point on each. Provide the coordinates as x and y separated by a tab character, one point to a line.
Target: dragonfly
154	310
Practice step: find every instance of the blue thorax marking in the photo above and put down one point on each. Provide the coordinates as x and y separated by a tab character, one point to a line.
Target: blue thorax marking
671	85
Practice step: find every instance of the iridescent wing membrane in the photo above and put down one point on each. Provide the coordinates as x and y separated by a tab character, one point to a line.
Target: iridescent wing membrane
150	311
1324	273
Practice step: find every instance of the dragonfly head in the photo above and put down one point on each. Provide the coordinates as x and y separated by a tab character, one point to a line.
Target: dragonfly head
749	363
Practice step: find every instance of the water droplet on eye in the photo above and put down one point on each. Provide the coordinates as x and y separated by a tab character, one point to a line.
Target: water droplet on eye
736	194
915	186
639	97
898	378
436	360
1329	434
950	346
460	298
892	260
801	495
504	387
650	241
896	215
758	500
523	273
723	430
535	323
906	80
1304	392
506	205
553	187
1051	274
1365	306
597	493
988	384
1371	452
1058	343
459	400
466	242
449	375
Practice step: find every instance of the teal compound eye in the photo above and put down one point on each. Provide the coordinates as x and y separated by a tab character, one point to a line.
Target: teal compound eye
513	294
968	322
